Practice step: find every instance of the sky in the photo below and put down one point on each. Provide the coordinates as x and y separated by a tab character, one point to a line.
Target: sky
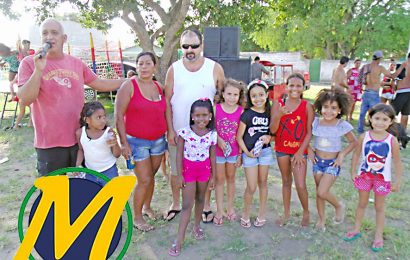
21	27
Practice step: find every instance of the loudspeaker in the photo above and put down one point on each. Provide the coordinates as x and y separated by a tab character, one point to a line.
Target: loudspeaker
212	42
221	42
229	42
238	69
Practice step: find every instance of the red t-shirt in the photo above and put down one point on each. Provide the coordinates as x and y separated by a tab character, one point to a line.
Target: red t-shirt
144	118
292	130
56	111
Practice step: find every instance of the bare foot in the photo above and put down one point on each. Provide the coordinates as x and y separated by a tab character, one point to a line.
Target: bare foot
282	220
305	220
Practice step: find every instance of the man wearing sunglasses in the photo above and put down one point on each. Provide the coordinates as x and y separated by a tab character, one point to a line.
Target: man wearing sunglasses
187	80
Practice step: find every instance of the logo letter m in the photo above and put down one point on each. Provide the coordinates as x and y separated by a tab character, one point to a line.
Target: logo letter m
56	190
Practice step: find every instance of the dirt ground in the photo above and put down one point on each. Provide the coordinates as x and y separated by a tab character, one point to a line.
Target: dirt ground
230	241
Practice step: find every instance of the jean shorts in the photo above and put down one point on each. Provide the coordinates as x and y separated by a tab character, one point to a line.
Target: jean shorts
110	173
142	149
325	166
280	154
229	159
266	158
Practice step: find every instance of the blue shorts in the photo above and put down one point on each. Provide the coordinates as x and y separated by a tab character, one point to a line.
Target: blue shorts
142	149
110	173
266	158
280	154
229	159
325	166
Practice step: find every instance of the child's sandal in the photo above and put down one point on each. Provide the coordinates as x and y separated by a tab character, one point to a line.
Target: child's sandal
377	245
198	234
245	223
218	221
174	251
259	222
351	236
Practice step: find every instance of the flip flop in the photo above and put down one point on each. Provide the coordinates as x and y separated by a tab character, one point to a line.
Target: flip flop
173	251
144	227
198	234
351	236
231	216
245	223
218	221
150	216
377	246
205	215
172	211
259	222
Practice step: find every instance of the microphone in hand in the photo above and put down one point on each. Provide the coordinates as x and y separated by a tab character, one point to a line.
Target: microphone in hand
46	47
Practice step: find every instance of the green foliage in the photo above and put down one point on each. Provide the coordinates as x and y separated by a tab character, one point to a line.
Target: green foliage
329	29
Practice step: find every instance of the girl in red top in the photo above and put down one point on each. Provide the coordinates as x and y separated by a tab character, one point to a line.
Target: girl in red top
291	121
140	119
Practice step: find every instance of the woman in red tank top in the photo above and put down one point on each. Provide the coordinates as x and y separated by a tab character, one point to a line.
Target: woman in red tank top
291	121
141	125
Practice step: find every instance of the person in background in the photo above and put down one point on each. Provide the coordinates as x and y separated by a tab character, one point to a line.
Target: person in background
355	87
388	86
339	77
257	68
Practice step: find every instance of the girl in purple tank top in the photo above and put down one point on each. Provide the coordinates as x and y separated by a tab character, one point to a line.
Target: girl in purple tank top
228	111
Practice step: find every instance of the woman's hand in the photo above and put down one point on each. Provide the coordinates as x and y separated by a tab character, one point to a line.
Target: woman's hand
211	183
265	139
311	156
221	144
298	159
395	187
126	150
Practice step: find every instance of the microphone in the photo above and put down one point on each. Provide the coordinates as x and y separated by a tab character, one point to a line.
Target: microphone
46	47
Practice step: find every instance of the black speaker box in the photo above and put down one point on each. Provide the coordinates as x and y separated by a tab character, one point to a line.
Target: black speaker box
238	69
221	42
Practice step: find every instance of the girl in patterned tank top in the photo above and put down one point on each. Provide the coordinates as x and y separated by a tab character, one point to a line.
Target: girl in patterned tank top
327	154
378	151
228	154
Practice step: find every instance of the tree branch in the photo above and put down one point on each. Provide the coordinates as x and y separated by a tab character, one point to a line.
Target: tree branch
157	33
159	10
139	28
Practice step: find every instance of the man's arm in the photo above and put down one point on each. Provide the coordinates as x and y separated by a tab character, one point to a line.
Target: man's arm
29	91
169	92
219	76
106	85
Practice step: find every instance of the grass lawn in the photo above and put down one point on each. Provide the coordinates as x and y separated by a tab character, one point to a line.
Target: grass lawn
229	241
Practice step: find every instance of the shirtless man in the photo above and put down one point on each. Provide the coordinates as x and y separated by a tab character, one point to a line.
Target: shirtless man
373	83
339	77
401	103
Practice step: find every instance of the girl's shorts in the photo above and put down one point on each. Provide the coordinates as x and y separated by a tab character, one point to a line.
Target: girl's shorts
366	183
280	154
196	171
110	173
325	166
229	159
142	149
266	158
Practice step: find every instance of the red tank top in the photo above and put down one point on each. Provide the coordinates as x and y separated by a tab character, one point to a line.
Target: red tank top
292	130
144	118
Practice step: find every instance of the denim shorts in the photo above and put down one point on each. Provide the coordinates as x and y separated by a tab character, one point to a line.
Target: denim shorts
280	154
266	158
142	149
325	166
110	173
229	159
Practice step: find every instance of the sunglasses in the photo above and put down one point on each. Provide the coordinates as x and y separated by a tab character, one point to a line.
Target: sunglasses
193	46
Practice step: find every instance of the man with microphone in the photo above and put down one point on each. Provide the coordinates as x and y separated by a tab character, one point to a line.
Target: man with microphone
53	84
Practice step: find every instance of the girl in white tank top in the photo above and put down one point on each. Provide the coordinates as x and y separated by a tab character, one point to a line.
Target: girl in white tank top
98	146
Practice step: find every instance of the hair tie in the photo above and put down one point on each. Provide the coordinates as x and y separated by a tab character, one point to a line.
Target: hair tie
204	99
258	82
